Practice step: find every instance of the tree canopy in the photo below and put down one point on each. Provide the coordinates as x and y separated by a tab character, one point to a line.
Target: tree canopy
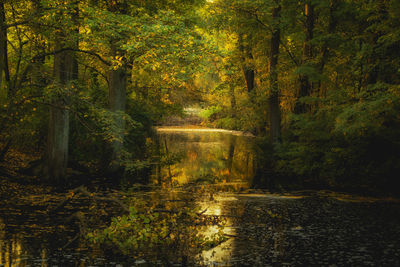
84	81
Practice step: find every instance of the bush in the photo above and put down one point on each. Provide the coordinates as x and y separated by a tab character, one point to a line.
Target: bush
154	234
351	145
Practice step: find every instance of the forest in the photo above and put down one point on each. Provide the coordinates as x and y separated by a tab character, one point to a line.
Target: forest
101	102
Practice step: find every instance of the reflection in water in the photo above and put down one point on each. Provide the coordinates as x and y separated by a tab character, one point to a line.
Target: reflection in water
29	237
219	160
223	252
15	248
207	157
263	229
15	253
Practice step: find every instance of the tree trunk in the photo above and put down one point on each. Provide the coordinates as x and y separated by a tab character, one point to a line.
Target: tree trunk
117	78
274	108
59	120
2	41
37	77
117	102
58	142
3	46
248	71
233	100
331	28
75	41
305	84
65	71
249	76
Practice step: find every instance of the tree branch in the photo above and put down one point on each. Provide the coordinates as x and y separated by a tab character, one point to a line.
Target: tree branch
28	20
74	50
280	41
270	30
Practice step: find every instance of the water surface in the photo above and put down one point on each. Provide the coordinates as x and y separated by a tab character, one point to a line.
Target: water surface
207	156
306	229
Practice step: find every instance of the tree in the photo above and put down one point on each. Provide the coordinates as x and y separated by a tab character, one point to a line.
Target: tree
3	46
65	73
274	108
247	57
117	78
305	83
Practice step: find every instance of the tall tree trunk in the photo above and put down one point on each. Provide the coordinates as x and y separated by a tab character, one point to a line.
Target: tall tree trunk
374	65
2	40
3	46
117	102
65	71
58	136
248	71
305	84
4	68
37	78
233	100
117	93
274	103
74	13
331	28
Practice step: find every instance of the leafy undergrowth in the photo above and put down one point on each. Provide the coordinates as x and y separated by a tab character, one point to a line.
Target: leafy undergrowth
159	233
15	159
13	184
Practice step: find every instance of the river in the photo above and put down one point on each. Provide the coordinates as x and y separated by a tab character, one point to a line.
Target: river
208	155
309	228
